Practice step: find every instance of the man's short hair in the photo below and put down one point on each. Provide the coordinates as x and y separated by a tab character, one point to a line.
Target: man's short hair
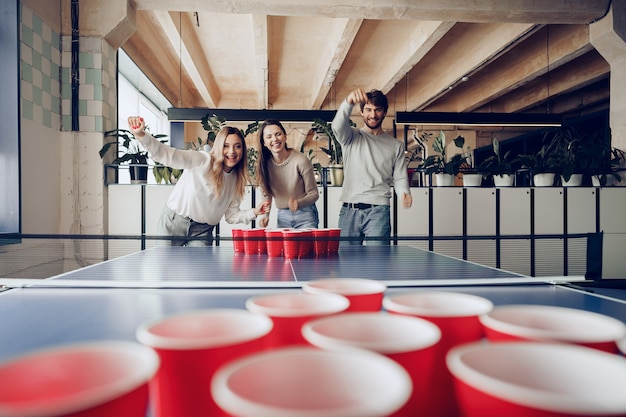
377	98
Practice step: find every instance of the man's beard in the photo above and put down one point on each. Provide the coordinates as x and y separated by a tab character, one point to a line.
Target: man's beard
378	123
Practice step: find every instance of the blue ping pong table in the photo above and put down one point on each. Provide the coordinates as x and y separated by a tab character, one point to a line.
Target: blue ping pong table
111	299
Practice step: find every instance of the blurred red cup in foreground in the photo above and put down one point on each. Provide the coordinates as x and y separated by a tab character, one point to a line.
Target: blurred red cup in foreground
290	310
238	240
363	294
457	316
553	324
309	382
536	379
192	346
95	379
410	341
274	242
622	346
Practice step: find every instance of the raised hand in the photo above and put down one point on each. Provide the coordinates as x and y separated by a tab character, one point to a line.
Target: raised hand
137	125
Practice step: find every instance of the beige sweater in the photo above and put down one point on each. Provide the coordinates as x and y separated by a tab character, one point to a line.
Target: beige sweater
293	178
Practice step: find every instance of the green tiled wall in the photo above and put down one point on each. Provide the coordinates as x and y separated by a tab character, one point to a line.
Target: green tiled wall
46	86
41	60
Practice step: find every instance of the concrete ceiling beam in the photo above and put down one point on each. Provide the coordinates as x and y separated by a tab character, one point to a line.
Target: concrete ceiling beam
546	50
259	23
465	49
182	53
511	11
347	30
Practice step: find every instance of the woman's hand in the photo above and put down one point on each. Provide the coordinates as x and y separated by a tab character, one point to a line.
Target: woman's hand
264	208
137	125
293	204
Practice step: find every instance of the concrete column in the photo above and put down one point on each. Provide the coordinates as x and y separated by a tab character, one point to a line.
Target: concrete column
104	25
608	36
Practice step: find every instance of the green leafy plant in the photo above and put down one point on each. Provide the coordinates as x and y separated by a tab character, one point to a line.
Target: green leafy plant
165	174
546	160
498	164
212	124
133	152
311	157
439	162
333	151
416	154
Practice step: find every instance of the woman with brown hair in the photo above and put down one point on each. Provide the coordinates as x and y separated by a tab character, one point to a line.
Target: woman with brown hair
287	176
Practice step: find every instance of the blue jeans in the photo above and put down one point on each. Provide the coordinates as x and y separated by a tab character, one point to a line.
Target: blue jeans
361	224
303	218
172	224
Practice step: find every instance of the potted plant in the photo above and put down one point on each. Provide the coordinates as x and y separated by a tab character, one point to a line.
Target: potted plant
133	153
165	174
600	160
569	147
444	169
335	155
543	165
501	168
317	167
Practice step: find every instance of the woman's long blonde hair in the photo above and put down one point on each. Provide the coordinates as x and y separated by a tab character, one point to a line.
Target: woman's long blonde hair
217	162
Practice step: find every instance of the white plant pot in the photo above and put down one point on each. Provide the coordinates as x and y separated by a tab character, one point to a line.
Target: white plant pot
504	180
574	181
444	180
545	179
596	180
472	180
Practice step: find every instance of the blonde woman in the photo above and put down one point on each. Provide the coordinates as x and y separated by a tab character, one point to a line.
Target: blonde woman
211	186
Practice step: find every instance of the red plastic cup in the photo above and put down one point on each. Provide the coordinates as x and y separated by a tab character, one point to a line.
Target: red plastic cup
238	240
254	241
310	382
320	241
291	243
290	310
410	341
363	294
553	324
306	242
457	316
192	346
333	240
95	379
274	242
536	379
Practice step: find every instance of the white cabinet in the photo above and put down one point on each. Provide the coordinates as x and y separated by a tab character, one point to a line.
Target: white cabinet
613	224
581	218
415	221
447	218
548	206
515	221
481	221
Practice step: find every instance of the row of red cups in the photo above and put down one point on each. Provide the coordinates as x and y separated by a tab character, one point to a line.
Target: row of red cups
290	243
330	350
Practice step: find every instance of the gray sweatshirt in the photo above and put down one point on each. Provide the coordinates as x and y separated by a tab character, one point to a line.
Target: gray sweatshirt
372	164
